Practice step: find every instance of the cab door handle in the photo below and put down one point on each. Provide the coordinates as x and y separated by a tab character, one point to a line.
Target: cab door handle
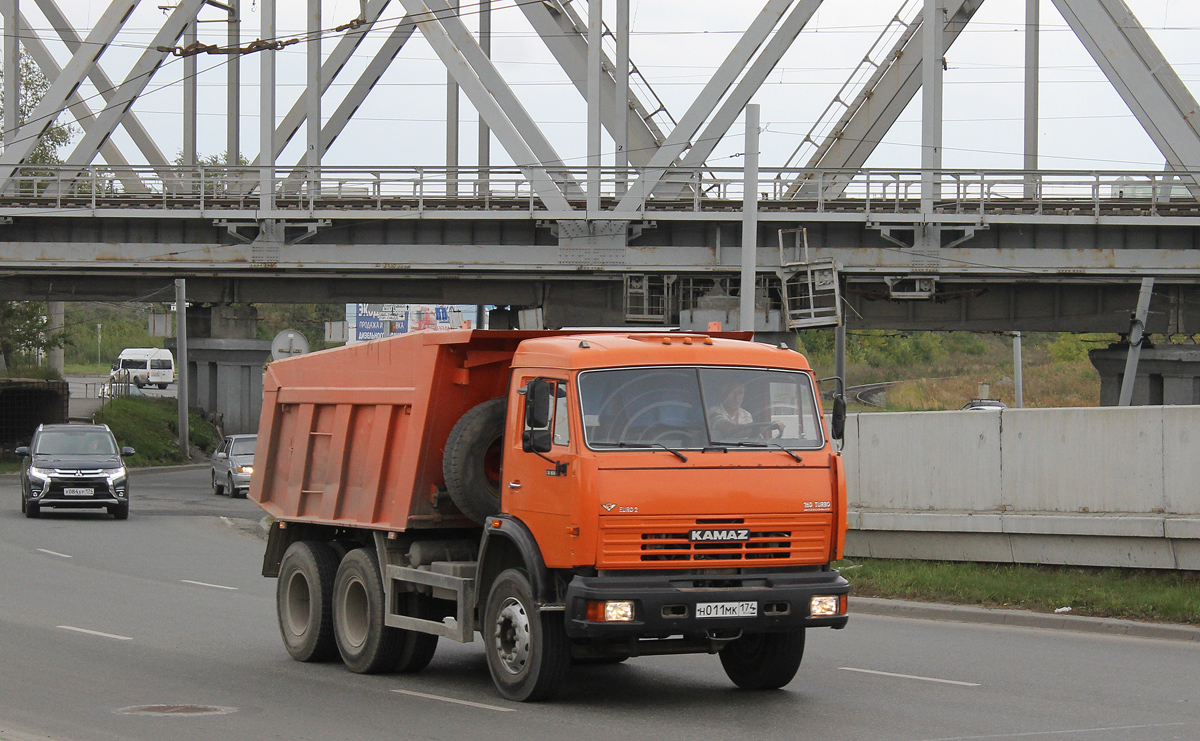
514	484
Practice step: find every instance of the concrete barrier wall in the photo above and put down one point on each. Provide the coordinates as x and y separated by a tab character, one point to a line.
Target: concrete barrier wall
1090	486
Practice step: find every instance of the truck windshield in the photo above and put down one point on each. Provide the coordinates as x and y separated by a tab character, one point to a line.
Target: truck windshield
696	407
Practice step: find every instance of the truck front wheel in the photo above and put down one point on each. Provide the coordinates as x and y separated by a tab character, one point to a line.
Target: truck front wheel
527	651
763	661
304	600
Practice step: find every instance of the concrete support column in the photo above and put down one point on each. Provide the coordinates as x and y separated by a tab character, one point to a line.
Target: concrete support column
1018	372
57	316
749	221
621	114
181	358
190	86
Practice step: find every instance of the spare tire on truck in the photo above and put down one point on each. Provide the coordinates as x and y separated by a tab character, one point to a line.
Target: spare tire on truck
471	463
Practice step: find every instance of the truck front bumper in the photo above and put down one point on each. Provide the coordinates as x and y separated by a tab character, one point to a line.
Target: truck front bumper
666	604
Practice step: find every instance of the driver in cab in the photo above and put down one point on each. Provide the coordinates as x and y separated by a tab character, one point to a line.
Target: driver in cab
729	421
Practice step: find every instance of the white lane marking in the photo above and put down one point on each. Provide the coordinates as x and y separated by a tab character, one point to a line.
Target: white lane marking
206	584
1059	733
53	553
458	702
908	676
94	632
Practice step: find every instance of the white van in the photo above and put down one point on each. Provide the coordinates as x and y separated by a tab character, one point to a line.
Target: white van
145	365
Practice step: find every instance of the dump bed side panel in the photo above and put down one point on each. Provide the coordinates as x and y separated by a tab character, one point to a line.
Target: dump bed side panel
354	436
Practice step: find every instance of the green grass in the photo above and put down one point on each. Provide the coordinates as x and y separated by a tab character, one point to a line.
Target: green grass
151	427
1133	594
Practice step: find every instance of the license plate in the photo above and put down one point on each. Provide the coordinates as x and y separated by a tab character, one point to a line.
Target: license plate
77	492
726	609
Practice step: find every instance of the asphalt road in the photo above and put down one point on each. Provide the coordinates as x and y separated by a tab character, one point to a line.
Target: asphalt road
168	608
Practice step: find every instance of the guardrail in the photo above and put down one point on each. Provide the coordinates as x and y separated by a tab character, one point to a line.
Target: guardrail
868	191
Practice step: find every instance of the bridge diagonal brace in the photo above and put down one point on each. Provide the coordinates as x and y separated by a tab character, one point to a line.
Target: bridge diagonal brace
495	101
569	46
878	105
56	97
80	109
706	102
107	88
1142	76
135	82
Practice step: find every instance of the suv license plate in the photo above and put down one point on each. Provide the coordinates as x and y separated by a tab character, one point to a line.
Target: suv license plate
726	609
76	492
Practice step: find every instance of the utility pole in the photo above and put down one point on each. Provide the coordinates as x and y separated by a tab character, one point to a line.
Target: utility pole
749	220
181	387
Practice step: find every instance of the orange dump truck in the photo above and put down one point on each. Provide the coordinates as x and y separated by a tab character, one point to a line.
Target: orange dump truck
572	497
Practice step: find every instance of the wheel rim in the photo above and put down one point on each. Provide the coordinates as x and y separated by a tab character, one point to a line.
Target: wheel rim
298	603
354	612
512	636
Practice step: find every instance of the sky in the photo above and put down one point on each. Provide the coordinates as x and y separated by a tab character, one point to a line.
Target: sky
677	45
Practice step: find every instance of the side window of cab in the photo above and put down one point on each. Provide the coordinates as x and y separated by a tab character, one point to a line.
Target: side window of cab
547	421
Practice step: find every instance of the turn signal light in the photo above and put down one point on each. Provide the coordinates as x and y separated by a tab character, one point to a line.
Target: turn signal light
609	611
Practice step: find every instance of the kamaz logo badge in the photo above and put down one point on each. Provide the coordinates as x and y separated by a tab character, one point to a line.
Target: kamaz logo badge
608	506
733	534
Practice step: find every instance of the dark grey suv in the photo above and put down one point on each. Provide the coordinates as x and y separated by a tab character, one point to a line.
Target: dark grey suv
74	466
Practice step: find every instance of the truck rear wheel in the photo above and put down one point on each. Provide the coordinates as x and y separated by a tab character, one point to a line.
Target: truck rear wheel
527	651
417	649
763	661
366	644
304	600
471	463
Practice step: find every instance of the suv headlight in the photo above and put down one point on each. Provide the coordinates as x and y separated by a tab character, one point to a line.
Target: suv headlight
115	475
41	474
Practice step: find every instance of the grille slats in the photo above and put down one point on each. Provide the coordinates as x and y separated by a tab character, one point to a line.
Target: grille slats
628	542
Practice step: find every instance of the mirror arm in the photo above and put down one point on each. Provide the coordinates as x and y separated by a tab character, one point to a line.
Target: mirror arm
560	468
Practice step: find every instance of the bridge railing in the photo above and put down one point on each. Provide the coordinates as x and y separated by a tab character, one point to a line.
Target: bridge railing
868	191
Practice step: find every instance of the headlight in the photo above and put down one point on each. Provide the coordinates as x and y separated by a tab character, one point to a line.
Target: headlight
245	469
825	606
42	474
609	611
115	475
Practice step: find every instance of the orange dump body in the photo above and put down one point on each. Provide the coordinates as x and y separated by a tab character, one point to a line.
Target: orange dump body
354	436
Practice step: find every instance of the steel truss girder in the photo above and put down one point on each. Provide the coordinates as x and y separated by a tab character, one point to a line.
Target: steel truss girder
706	102
56	97
1141	75
79	109
139	76
494	99
132	125
880	103
570	48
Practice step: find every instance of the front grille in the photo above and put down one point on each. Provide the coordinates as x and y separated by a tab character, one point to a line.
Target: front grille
772	539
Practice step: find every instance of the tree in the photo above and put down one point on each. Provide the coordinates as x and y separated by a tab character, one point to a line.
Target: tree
24	330
34	85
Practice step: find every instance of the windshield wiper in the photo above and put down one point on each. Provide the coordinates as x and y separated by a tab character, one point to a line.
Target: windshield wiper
672	451
755	444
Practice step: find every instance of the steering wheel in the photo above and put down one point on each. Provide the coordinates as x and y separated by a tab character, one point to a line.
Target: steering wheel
758	428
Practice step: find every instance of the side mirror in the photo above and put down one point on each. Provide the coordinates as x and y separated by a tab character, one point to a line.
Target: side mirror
127	451
537	403
22	451
838	422
221	456
536	441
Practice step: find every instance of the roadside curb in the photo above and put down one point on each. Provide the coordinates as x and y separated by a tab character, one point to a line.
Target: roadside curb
1021	618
